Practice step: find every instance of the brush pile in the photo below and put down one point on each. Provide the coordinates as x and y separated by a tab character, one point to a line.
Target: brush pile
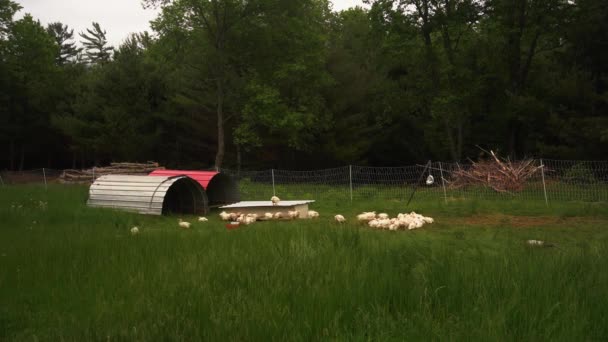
502	176
89	175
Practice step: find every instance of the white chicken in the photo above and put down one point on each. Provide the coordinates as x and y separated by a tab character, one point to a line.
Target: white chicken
275	200
366	216
268	216
202	219
278	215
415	224
184	224
313	214
339	218
134	231
225	216
293	214
384	223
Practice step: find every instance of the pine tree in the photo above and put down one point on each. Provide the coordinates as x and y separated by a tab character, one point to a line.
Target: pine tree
96	46
64	38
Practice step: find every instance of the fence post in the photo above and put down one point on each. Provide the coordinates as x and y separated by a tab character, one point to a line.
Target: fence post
445	194
44	175
542	169
350	176
274	192
428	165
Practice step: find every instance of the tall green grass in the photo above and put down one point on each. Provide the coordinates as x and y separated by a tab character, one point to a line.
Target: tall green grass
68	272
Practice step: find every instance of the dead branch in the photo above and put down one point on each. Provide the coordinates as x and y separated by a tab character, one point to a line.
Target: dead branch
501	175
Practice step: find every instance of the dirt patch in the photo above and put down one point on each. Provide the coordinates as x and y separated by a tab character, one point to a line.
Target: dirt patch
525	221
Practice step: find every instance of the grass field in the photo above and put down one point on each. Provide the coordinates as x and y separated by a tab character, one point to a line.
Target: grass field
68	272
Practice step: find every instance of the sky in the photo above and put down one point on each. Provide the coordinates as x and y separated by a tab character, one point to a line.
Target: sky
118	17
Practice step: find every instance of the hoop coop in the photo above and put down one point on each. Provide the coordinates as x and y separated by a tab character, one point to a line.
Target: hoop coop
149	195
220	188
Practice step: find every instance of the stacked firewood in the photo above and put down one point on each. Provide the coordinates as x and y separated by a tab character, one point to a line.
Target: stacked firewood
89	175
502	176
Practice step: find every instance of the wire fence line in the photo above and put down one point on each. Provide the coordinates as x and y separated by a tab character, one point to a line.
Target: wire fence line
42	176
557	180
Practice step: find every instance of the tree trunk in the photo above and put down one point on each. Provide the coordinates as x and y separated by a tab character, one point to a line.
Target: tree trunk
178	152
219	157
460	140
22	158
451	142
11	153
238	161
519	66
515	25
513	134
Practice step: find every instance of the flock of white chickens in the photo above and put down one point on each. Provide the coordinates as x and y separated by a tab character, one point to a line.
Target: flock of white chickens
377	221
401	222
251	218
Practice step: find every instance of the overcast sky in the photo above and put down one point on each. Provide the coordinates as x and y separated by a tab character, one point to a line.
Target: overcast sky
118	17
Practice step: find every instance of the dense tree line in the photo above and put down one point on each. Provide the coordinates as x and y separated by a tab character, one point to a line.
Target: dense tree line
292	84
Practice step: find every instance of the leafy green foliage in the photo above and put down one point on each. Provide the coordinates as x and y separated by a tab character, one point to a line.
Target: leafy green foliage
118	102
291	84
8	9
29	95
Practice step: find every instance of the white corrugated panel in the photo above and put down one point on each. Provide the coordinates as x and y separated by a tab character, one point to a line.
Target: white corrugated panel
140	194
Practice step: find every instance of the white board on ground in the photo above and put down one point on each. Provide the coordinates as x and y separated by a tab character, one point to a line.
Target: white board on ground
252	204
262	207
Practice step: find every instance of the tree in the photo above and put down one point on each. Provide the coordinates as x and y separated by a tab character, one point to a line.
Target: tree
118	102
230	47
290	84
215	22
284	107
573	85
96	46
28	55
8	9
353	62
443	44
64	38
525	30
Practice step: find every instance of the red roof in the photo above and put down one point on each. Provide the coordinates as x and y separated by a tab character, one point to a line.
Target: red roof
202	177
